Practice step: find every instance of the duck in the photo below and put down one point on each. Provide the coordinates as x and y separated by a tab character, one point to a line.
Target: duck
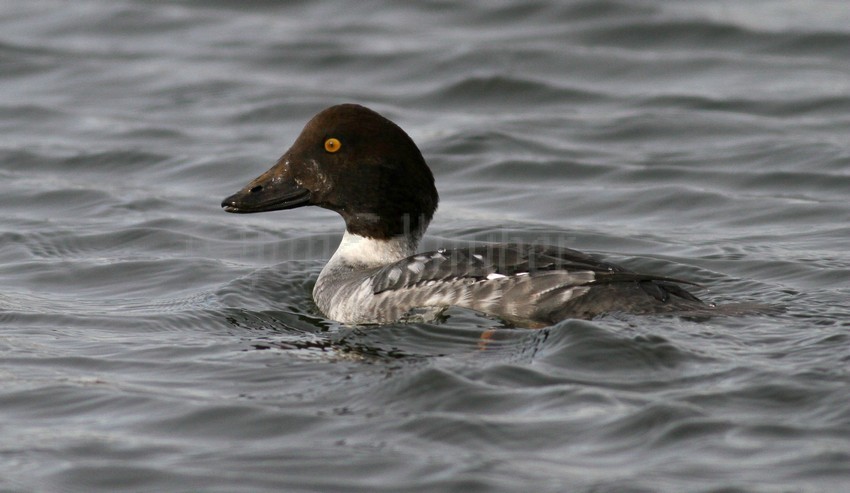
351	160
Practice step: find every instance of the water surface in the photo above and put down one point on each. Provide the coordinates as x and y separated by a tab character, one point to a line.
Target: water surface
151	342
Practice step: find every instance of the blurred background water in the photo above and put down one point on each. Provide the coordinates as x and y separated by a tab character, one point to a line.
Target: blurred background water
151	342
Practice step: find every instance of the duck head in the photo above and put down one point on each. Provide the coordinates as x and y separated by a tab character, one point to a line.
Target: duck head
353	161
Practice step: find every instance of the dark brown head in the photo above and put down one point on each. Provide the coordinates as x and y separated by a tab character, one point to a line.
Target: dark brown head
351	160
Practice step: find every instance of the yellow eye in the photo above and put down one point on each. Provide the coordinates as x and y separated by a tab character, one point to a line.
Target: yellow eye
332	145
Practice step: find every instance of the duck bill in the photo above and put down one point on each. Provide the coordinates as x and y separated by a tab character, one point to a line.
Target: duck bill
271	191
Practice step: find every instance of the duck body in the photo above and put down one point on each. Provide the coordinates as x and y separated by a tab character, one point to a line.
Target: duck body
352	160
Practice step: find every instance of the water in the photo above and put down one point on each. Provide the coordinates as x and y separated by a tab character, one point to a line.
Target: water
151	342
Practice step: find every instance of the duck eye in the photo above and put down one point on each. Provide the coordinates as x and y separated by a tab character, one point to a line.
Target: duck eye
332	145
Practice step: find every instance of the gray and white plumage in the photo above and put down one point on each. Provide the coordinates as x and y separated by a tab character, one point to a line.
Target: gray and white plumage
529	285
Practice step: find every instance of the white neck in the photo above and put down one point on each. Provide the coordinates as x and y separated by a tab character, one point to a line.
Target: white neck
360	251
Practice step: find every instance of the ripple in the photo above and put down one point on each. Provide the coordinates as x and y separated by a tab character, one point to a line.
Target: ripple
829	105
478	91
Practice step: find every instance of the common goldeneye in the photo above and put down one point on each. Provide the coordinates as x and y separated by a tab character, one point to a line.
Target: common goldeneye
353	161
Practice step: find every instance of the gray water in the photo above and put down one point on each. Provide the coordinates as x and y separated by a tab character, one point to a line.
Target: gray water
151	342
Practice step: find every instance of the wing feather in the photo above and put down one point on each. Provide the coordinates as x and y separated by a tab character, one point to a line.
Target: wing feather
493	261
